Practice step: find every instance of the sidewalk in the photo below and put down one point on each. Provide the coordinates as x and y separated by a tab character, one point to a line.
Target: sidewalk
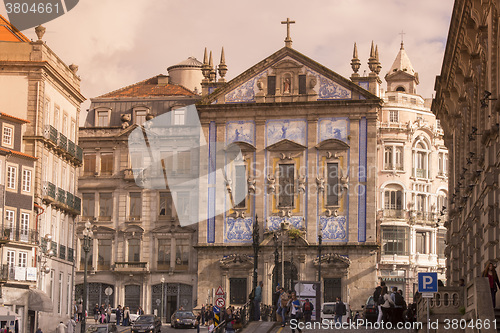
120	329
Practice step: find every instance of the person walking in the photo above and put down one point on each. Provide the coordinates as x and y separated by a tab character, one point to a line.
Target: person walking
61	328
198	322
126	316
79	311
307	310
229	318
491	273
202	313
378	300
340	310
399	302
257	300
387	305
276	298
96	313
71	325
108	313
282	308
140	311
118	315
295	310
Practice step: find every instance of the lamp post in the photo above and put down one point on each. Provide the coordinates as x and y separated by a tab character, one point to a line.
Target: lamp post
162	296
87	242
320	241
284	228
255	245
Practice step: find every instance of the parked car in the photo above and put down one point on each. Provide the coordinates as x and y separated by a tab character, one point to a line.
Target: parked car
102	328
146	323
328	312
183	318
112	318
370	310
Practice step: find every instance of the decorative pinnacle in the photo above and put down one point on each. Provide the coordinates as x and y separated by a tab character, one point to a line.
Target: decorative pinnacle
222	66
212	70
355	63
379	67
372	61
205	68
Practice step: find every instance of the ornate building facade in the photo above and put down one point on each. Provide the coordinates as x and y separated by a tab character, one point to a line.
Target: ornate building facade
36	85
412	182
308	137
139	250
467	104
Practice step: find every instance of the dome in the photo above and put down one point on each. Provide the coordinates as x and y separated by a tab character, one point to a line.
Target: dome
189	62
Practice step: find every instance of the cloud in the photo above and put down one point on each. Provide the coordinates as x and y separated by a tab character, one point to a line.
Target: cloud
117	43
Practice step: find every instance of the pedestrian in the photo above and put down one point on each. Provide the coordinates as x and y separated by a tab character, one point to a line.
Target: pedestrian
126	316
276	298
108	314
140	311
307	310
96	312
202	314
295	312
340	310
282	306
491	273
71	325
378	300
61	328
80	311
387	305
399	302
211	326
39	330
118	315
197	322
256	301
229	318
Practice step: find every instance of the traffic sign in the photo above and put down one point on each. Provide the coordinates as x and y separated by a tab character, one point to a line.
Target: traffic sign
220	302
216	309
216	315
428	295
219	291
427	282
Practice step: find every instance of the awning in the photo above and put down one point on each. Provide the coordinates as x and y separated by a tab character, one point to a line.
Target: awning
37	301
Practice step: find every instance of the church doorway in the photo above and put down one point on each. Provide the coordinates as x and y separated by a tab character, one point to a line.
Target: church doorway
172	296
290	276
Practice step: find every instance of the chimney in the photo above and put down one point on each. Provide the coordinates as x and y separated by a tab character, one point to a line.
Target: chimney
162	80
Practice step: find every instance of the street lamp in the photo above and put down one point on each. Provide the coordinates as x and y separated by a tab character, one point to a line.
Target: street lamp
284	228
320	241
255	245
87	242
162	296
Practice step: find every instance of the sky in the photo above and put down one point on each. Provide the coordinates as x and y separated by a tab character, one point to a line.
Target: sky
116	43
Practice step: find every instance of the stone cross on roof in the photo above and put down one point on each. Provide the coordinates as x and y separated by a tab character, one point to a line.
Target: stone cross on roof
288	40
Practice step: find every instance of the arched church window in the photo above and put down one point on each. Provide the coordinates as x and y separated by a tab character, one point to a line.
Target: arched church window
400	89
421	158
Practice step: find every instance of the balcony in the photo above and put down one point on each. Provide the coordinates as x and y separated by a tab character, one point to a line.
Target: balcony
70	199
61	195
423	216
71	254
421	173
394	213
8	234
17	273
61	198
62	252
63	145
131	266
49	191
53	247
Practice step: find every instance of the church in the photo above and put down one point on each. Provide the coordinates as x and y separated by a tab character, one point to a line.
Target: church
308	138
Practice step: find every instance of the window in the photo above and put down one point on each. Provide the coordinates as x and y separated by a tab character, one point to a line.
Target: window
394	116
237	290
50	290
165	204
106	164
11	259
68	294
7	135
441	244
302	84
179	117
64	178
89	257
105	206
333	188
271	85
46	112
421	203
25	224
183	162
65	125
135	205
400	89
102	118
88	205
89	164
388	158
394	240
182	254
393	157
239	189
11	177
56	117
140	117
182	205
398	156
420	245
442	200
23	259
10	216
393	203
104	254
163	254
72	130
134	250
420	159
27	180
442	164
333	289
286	185
55	172
60	300
136	161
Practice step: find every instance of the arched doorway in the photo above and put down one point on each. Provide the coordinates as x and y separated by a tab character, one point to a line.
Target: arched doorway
95	295
173	296
291	275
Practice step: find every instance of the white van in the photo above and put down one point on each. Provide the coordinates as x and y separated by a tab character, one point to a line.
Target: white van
328	312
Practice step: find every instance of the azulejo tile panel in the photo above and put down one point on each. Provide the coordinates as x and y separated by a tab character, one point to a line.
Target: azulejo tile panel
239	230
244	93
333	228
241	131
334	128
293	130
274	222
329	89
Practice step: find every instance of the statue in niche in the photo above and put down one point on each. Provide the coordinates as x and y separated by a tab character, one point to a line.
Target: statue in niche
286	86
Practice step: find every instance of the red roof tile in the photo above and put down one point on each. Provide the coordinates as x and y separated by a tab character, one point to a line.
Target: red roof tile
9	33
18	153
3	114
149	88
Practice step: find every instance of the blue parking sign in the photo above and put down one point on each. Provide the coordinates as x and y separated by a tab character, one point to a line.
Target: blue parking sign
427	282
216	309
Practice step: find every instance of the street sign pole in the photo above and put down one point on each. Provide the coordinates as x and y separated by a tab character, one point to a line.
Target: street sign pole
428	314
427	285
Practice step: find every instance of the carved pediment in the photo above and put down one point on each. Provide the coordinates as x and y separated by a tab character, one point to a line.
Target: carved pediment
133	229
244	146
104	230
236	261
287	64
286	145
332	144
333	259
172	229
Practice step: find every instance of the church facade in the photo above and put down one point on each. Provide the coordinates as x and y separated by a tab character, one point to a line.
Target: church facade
308	138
